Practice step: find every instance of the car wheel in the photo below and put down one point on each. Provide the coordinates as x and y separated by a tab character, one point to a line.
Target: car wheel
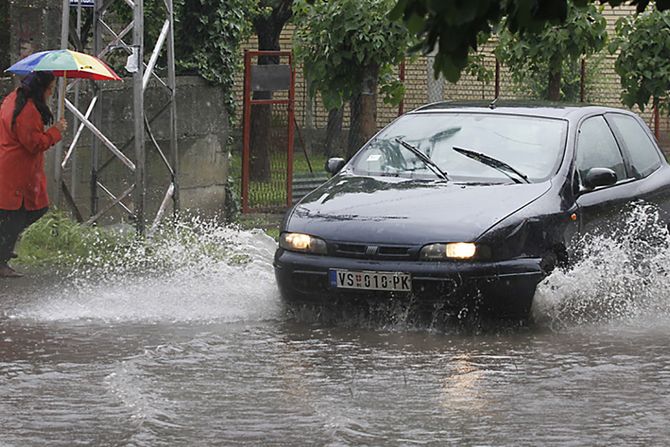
511	302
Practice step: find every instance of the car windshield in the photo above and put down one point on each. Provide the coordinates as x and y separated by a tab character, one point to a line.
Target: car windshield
532	146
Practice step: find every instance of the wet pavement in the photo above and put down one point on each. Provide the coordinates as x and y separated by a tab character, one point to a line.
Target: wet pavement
208	355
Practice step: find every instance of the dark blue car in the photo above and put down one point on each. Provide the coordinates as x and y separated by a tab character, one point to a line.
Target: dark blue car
467	205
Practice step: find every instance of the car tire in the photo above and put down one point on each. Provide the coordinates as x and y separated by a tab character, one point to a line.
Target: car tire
513	303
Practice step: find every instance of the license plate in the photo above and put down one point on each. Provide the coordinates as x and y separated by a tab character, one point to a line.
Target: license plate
368	280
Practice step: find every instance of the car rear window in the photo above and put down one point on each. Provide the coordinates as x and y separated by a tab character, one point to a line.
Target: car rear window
531	145
644	157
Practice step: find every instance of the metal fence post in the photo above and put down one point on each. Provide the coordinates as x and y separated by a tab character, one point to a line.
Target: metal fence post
58	171
97	112
138	111
172	84
246	136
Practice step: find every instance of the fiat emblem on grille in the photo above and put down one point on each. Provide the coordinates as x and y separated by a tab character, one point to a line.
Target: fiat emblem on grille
371	250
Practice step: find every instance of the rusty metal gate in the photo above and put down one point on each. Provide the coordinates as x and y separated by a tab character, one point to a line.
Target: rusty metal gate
268	131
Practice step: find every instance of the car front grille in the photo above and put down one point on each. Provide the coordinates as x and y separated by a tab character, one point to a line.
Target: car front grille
370	251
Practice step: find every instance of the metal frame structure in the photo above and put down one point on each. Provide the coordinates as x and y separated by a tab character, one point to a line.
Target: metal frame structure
91	119
248	103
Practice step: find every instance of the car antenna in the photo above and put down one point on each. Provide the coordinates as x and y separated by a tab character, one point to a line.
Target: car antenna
492	105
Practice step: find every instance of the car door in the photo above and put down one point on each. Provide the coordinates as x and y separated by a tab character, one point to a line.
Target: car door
645	160
600	209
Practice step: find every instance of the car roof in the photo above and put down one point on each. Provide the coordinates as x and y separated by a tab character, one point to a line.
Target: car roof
533	108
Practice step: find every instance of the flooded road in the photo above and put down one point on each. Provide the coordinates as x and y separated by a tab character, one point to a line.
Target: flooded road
205	354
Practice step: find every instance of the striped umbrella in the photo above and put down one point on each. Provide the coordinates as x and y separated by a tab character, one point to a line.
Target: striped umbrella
65	63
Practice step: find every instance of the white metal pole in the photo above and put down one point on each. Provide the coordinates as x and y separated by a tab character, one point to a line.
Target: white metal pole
73	161
58	172
435	86
172	83
138	97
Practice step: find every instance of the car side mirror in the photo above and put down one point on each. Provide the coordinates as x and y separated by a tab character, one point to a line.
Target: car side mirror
333	165
596	177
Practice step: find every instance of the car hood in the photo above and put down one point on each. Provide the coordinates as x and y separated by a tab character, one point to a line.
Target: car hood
401	211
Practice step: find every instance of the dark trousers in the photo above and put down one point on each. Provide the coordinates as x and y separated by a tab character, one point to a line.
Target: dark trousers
12	224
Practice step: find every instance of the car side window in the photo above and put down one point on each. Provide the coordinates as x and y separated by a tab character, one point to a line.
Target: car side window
597	148
644	157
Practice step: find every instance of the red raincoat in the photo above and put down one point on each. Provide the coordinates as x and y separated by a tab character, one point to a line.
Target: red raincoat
22	178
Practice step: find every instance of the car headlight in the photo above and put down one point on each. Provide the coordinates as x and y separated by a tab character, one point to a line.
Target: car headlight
453	250
302	243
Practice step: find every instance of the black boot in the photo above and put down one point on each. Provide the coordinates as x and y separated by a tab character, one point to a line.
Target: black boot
8	272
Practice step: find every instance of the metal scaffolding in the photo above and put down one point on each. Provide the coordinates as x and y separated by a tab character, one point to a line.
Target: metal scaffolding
105	41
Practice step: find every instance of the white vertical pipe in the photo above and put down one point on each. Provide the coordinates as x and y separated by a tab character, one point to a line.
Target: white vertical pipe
58	152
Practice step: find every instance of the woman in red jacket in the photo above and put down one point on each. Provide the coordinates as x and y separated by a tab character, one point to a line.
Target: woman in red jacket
24	114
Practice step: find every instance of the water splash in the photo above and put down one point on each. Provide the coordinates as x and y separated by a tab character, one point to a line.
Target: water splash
623	275
200	270
196	270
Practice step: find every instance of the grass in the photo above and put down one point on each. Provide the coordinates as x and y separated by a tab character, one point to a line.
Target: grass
57	238
272	194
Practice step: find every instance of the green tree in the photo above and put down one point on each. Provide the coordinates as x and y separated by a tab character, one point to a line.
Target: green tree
348	47
644	59
208	35
539	61
454	25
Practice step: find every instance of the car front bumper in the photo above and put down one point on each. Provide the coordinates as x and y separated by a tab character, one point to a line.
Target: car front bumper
303	278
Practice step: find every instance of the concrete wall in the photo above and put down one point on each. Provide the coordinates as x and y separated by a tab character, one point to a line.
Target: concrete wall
6	86
32	25
4	35
202	133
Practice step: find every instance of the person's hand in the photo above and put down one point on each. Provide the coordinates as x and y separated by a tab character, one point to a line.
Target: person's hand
61	125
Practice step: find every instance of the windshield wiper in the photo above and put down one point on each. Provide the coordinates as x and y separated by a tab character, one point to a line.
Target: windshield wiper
493	163
424	158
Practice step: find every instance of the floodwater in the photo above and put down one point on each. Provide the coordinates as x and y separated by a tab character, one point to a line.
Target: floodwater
187	346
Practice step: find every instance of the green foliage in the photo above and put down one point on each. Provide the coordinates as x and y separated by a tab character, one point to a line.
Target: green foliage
56	238
644	60
531	57
211	32
339	41
454	25
477	66
208	34
533	84
57	241
390	86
